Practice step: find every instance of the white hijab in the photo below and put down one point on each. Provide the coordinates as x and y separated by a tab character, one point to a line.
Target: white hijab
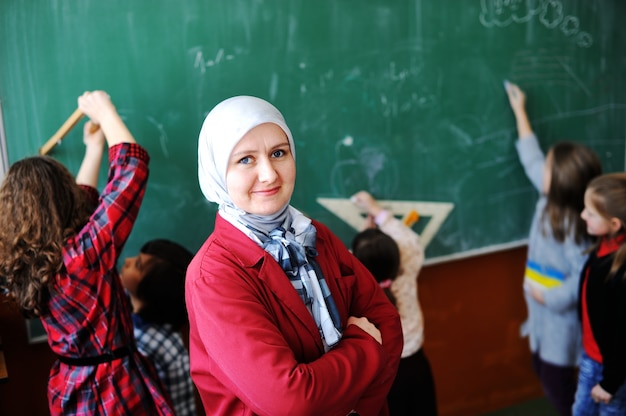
222	129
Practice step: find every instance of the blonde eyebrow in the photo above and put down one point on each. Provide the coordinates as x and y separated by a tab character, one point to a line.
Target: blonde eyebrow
250	152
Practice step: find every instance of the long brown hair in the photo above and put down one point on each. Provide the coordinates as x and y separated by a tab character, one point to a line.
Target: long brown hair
40	208
608	196
573	167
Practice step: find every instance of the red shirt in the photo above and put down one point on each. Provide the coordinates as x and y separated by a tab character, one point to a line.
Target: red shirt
589	342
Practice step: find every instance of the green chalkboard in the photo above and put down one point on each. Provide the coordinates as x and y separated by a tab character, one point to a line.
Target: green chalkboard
403	98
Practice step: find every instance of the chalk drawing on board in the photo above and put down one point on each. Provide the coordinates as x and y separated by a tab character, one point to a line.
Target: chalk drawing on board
550	14
546	65
436	212
162	134
362	167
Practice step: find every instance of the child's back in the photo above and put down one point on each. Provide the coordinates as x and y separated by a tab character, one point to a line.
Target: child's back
60	265
393	254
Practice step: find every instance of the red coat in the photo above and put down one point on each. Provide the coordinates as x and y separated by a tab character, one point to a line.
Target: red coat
255	348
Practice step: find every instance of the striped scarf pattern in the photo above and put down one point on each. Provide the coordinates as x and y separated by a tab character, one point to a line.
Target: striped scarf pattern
298	262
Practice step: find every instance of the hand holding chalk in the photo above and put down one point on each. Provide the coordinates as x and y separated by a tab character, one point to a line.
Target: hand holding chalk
517	98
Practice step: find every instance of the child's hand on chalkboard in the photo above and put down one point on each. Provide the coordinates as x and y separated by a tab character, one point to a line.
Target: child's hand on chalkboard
517	98
366	202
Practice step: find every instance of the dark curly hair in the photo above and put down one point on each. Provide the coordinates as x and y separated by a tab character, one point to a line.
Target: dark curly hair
41	206
162	288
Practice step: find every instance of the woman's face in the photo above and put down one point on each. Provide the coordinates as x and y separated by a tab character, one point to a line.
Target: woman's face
261	171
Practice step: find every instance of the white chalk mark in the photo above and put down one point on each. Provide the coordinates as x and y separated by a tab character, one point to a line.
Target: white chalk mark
584	40
273	86
574	77
499	13
202	64
199	62
437	212
570	25
162	135
552	14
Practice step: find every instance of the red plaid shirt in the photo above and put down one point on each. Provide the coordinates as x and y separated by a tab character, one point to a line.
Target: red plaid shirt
89	311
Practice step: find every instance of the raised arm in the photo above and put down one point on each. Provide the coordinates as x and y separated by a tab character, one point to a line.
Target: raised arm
94	149
98	107
111	223
367	203
517	99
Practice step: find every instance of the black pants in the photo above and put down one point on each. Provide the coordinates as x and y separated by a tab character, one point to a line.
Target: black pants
413	390
558	383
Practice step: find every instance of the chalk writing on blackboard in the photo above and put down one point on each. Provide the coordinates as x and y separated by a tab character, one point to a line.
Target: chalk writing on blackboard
202	63
549	12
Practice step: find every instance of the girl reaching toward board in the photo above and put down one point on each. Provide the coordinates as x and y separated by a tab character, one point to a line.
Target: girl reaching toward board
58	250
556	253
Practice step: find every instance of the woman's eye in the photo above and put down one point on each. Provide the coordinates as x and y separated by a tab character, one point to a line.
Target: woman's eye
245	161
278	153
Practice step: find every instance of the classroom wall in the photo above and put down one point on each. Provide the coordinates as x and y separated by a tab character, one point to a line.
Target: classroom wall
472	308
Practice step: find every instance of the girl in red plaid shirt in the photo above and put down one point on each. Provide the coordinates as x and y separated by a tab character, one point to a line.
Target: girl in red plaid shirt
58	255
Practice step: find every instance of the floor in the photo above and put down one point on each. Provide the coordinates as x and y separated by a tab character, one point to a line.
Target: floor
537	407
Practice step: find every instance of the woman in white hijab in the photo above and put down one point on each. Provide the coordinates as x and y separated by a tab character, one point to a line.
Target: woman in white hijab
283	319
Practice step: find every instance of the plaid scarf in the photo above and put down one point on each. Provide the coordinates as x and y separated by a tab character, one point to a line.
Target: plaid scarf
297	259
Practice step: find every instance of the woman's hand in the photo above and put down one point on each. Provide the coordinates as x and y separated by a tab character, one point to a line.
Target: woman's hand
366	326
